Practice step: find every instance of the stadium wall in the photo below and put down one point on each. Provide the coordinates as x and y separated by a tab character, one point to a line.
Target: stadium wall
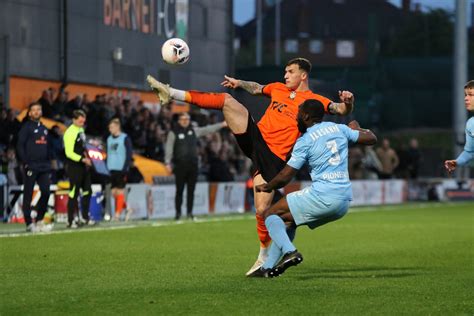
116	43
157	201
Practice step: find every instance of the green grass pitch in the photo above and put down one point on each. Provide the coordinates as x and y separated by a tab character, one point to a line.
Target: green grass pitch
409	259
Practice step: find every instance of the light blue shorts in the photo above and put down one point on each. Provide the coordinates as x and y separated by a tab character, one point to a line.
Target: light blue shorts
314	210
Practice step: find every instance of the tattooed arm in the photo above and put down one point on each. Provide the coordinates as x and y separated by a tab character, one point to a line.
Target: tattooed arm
345	107
249	86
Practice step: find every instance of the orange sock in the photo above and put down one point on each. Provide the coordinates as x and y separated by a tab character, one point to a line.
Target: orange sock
262	232
206	100
119	203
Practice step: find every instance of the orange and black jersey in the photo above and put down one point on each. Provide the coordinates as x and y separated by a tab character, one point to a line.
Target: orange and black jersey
278	125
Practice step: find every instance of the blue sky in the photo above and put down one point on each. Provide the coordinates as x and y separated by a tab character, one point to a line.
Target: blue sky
244	10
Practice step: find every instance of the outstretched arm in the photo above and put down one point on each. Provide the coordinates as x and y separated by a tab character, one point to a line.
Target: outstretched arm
249	86
366	136
346	105
202	131
462	160
280	180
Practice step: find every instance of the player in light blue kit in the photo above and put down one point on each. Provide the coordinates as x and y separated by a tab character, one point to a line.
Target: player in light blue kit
468	152
324	145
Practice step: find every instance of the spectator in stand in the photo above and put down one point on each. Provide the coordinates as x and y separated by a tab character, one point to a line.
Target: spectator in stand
10	127
356	166
219	168
73	105
138	132
4	137
35	152
52	92
56	139
165	118
85	101
59	105
156	145
389	159
181	158
13	168
46	103
371	163
93	110
413	158
121	113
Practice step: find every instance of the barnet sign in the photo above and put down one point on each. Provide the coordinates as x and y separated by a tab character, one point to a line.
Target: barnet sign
160	17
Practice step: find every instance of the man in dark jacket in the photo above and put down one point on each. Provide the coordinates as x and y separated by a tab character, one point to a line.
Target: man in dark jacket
181	152
36	155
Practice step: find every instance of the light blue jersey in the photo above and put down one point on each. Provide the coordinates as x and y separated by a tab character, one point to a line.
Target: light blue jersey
468	152
325	147
116	152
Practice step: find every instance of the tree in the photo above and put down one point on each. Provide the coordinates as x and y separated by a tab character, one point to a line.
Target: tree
427	34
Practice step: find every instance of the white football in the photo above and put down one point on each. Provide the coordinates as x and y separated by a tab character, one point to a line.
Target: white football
175	51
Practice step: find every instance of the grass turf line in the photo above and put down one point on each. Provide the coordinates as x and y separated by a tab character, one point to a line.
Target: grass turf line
410	260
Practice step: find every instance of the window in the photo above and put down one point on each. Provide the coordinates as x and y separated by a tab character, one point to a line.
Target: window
291	46
345	49
316	46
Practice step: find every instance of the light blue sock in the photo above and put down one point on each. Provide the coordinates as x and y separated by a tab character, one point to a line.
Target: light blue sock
274	254
277	230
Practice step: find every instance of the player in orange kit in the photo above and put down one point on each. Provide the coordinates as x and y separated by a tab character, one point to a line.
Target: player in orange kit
269	142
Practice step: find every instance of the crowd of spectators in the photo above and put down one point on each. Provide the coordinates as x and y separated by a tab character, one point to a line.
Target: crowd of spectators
384	162
220	158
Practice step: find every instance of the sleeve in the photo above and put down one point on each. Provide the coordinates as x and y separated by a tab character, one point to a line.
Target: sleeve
169	147
299	154
69	142
468	152
20	146
267	89
351	134
128	154
325	101
202	131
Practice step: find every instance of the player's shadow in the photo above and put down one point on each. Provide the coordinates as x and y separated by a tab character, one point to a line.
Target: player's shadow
359	273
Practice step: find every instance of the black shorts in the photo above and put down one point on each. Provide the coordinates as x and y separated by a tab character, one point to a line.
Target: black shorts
79	178
254	146
117	179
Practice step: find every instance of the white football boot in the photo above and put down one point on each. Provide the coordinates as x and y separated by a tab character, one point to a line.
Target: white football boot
161	89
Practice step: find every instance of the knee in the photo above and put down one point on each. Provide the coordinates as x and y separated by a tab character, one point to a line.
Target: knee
261	210
227	97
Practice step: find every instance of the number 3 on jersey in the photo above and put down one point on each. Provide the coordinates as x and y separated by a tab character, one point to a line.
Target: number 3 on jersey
335	158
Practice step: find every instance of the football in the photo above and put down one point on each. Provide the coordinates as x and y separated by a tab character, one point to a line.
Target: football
175	51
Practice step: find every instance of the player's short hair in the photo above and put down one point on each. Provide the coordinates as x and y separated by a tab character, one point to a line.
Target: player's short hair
115	121
303	63
314	108
78	113
469	85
